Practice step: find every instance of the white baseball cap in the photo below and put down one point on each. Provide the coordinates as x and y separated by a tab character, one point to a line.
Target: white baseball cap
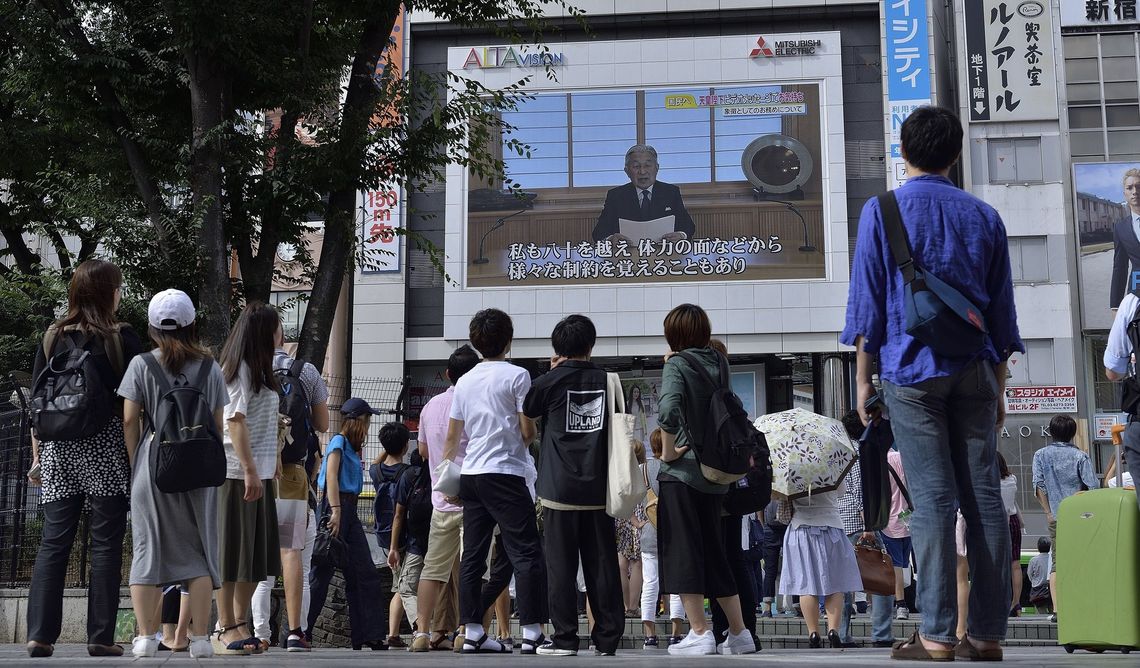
170	309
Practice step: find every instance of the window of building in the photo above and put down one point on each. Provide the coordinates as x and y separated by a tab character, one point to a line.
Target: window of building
1029	259
1103	90
1036	366
292	306
1015	160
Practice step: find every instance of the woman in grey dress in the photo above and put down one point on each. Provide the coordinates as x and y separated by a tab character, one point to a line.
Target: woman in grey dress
175	535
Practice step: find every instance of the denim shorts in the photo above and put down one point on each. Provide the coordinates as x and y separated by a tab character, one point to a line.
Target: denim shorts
899	549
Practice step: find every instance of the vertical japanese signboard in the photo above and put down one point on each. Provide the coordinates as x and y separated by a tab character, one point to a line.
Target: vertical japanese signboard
1009	60
908	72
1098	13
381	209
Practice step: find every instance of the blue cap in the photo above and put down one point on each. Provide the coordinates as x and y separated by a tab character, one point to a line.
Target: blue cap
355	407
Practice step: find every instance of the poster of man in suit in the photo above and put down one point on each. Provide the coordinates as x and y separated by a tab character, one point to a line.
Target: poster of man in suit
1108	223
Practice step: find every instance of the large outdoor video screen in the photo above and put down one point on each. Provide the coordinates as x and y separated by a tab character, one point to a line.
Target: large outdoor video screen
654	185
1107	201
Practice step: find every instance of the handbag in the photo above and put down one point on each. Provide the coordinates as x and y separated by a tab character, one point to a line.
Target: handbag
876	569
625	483
650	502
328	550
937	315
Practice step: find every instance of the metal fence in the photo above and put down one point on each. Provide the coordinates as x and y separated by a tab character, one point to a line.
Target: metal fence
21	520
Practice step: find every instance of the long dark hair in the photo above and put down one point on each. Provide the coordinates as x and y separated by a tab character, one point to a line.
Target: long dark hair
640	398
179	347
252	341
91	297
1003	468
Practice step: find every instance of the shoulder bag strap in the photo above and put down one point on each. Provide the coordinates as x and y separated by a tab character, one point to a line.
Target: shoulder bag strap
114	350
725	376
902	487
896	234
615	398
296	368
696	364
203	376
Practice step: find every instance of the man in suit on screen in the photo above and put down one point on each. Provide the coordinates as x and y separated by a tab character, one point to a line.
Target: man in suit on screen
1126	240
643	198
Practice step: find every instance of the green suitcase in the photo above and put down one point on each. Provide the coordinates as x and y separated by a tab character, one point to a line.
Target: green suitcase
1098	571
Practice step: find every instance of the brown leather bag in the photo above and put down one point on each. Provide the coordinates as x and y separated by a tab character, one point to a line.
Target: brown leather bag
876	569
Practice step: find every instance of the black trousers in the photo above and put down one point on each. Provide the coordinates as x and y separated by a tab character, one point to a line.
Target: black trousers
773	548
490	499
731	530
171	604
45	600
589	534
367	614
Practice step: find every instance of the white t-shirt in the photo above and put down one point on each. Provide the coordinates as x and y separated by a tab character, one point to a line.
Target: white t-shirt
1009	494
818	510
260	410
488	399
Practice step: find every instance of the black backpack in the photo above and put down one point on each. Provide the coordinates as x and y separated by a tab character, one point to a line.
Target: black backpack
385	508
419	501
730	445
187	451
70	400
753	492
295	404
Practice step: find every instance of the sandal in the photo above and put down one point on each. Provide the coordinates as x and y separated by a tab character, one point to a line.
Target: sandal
970	651
912	649
236	648
441	644
480	646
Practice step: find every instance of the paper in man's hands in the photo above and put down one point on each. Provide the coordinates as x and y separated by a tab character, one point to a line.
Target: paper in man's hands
637	230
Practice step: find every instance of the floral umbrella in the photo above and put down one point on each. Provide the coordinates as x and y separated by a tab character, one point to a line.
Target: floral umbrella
810	453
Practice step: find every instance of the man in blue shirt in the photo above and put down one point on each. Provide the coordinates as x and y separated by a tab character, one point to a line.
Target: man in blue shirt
945	411
1117	358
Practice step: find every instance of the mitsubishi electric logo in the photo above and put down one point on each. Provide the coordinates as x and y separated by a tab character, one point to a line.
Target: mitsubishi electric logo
786	47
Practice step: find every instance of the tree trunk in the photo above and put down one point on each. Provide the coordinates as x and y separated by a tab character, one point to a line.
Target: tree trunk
338	248
207	92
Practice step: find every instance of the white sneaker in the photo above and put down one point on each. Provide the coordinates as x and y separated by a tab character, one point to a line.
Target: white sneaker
902	612
695	644
144	646
201	648
737	644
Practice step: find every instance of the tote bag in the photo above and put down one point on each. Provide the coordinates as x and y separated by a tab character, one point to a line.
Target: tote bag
625	483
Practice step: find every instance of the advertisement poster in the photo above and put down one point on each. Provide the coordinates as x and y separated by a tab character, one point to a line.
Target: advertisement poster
1107	200
641	396
1043	399
653	185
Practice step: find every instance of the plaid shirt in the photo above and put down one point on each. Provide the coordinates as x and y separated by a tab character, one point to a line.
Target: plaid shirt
851	503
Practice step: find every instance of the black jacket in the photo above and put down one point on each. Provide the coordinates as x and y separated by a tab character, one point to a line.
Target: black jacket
623	202
1126	251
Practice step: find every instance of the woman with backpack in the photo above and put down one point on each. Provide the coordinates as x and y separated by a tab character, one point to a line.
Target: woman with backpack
341	478
174	534
247	512
690	544
81	460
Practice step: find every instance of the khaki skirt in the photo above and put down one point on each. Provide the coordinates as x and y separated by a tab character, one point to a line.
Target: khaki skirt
249	548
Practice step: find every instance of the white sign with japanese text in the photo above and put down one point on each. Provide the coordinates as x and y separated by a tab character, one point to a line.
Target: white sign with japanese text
1103	424
1041	399
1010	68
1106	13
381	244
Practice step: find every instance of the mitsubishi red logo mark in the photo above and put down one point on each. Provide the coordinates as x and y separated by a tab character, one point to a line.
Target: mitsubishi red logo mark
761	49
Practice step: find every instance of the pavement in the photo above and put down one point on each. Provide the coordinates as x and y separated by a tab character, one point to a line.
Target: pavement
69	655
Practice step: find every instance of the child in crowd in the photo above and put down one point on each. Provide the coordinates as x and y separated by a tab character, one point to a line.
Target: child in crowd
651	583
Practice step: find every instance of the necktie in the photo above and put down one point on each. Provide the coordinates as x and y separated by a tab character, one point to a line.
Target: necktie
645	204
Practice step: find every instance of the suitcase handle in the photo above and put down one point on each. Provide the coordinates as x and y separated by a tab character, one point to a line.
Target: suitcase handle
1118	442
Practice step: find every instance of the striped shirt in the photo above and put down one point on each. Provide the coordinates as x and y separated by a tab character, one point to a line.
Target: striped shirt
851	503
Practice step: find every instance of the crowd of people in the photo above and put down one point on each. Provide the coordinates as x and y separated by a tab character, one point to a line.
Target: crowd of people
505	492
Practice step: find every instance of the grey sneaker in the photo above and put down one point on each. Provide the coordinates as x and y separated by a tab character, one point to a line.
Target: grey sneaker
902	612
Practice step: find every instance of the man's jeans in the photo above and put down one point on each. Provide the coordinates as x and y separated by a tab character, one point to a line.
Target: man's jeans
881	609
945	431
45	600
1132	452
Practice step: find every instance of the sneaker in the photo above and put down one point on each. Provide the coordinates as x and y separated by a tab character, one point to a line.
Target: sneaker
695	645
741	643
650	642
144	646
201	648
673	640
1053	618
548	649
902	612
297	643
421	642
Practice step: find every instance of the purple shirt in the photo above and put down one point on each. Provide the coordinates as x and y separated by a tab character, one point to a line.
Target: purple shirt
433	431
953	235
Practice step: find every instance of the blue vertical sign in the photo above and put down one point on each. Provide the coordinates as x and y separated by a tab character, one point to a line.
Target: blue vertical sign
908	71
